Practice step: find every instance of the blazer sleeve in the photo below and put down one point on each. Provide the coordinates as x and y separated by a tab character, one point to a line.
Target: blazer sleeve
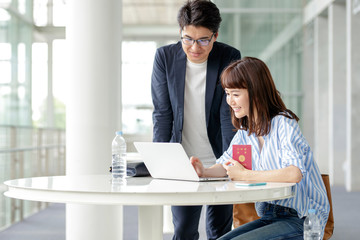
162	114
227	129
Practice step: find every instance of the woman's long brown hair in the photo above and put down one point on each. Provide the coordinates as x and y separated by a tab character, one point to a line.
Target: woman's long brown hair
253	74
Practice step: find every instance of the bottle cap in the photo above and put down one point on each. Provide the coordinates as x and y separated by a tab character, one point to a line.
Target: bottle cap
311	211
119	133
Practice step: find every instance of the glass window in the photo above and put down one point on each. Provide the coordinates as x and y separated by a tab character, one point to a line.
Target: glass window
59	70
40	12
59	82
5	97
5	64
39	83
22	6
21	63
4	16
136	86
5	70
59	12
5	51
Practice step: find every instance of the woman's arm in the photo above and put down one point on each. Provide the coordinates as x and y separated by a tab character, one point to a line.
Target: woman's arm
237	172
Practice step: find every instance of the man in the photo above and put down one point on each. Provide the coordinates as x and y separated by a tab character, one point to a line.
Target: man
190	106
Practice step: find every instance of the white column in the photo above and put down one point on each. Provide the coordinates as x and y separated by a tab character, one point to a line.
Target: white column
352	177
93	108
337	92
307	121
355	99
321	112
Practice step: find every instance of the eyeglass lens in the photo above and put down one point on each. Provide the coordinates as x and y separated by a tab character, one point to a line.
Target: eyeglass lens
201	42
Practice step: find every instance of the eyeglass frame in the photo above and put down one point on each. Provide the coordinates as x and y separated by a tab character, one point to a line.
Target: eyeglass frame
198	41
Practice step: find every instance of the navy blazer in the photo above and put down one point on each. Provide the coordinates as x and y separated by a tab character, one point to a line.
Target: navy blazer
168	86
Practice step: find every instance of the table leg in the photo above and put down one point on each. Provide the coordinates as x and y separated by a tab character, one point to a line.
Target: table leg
94	222
168	221
150	222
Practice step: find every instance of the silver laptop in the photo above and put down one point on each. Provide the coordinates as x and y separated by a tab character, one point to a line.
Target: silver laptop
169	161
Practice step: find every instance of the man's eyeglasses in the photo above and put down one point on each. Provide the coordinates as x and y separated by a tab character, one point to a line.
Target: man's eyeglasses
201	42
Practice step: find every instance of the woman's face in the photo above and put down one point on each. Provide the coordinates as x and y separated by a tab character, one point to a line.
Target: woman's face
238	100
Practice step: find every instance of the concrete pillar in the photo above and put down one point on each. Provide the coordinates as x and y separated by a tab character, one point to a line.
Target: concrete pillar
50	113
321	94
93	109
307	120
237	27
352	176
337	92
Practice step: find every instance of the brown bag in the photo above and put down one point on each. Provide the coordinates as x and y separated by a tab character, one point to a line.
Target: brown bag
245	212
329	228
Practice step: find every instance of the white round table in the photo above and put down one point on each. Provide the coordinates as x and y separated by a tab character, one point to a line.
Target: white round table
147	193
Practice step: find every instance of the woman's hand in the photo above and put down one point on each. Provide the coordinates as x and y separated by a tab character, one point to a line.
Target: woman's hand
198	166
216	170
235	170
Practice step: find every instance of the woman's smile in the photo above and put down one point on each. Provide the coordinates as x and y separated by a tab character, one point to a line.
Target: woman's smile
238	100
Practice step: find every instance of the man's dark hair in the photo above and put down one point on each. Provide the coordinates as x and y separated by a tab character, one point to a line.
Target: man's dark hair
199	13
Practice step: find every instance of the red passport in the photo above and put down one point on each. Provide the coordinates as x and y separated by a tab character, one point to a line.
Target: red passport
242	154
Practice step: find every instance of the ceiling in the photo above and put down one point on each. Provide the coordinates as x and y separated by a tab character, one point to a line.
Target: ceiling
151	12
164	12
250	25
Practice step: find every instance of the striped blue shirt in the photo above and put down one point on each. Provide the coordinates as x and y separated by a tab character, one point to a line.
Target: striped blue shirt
285	146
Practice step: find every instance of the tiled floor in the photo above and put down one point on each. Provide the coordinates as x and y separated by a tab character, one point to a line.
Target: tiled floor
49	224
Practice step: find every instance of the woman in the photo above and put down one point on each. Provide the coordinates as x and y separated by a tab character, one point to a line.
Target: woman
280	153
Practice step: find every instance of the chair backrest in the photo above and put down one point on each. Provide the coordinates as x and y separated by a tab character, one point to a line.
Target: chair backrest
329	228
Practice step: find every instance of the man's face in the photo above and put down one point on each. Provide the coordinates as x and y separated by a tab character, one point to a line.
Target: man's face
195	52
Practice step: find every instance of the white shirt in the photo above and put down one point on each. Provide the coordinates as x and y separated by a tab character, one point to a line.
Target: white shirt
194	135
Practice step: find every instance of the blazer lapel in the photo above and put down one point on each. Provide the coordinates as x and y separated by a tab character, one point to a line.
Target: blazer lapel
211	79
180	70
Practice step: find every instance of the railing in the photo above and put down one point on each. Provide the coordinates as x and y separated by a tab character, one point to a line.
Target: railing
28	152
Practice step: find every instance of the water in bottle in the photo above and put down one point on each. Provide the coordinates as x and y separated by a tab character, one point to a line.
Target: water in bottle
118	164
312	227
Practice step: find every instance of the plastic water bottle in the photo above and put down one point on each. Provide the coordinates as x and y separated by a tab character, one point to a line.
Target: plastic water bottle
312	227
118	164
